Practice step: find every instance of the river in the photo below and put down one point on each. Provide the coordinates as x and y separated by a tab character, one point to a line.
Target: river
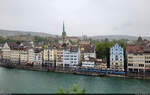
24	81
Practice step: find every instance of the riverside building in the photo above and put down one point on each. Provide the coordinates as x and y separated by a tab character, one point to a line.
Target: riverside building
138	58
59	57
49	57
88	62
31	55
14	52
117	58
71	57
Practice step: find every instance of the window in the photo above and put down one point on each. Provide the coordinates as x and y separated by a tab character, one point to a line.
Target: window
130	64
116	57
141	65
130	57
66	58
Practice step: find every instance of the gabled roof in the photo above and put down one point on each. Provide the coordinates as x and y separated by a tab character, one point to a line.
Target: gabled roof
13	45
27	44
116	45
136	49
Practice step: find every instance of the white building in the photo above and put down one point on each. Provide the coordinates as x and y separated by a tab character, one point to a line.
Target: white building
88	62
88	54
71	57
87	51
38	58
117	58
31	55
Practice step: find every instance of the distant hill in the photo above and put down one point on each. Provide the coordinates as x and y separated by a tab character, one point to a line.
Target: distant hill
6	33
117	37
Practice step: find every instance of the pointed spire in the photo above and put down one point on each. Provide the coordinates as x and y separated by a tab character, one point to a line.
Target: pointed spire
63	27
64	32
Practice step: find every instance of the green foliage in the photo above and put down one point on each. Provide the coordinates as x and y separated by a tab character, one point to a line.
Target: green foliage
78	40
2	40
45	40
61	91
44	46
73	90
103	48
37	39
8	39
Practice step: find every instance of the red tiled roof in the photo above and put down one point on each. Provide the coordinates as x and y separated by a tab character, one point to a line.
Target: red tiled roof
134	49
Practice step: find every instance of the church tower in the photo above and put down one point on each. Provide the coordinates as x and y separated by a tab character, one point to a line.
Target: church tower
64	34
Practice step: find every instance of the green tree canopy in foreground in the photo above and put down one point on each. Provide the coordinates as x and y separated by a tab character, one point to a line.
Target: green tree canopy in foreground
73	90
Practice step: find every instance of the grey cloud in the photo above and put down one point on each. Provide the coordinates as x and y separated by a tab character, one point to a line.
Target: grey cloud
93	17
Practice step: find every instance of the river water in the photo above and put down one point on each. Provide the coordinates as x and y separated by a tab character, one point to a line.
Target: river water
24	81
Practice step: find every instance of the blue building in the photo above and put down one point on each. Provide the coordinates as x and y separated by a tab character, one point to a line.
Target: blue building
117	58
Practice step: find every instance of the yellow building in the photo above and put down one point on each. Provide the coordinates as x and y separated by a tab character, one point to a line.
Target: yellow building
49	56
12	52
14	56
136	62
59	57
135	58
147	61
23	57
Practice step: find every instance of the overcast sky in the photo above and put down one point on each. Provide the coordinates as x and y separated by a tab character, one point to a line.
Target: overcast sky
92	17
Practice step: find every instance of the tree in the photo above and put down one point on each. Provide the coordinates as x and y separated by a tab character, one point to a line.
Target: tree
103	48
73	90
78	40
44	46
